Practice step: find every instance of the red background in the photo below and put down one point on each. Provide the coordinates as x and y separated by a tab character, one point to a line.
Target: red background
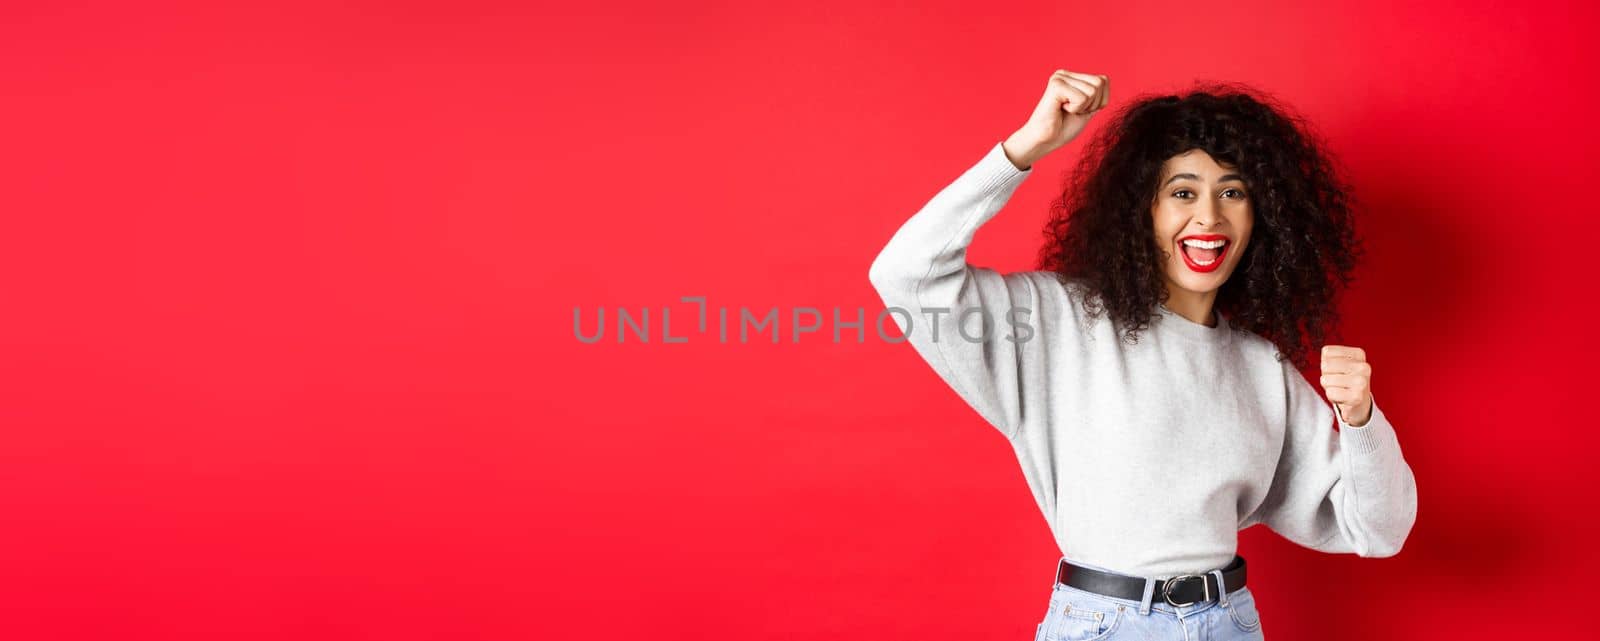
288	346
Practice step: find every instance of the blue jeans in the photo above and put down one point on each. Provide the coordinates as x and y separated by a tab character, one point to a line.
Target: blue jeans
1080	615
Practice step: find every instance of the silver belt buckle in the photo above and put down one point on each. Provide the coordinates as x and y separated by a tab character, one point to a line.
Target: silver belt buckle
1166	588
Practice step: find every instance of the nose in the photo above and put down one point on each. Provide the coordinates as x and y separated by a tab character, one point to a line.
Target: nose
1210	214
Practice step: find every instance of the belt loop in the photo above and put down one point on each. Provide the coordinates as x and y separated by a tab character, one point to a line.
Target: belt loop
1149	594
1060	563
1222	588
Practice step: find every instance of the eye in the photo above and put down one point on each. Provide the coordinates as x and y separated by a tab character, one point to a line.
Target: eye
1236	191
1179	193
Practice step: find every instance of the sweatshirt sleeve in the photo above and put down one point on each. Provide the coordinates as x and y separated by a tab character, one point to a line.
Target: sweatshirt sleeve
1340	492
945	304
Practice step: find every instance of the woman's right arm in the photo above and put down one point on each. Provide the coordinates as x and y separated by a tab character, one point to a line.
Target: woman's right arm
943	304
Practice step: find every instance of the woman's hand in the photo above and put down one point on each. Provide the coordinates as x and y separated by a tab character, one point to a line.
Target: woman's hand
1347	380
1069	100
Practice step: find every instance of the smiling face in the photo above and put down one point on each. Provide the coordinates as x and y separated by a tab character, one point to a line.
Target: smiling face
1202	222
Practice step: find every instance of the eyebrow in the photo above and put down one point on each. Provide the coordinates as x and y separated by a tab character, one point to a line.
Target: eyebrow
1194	177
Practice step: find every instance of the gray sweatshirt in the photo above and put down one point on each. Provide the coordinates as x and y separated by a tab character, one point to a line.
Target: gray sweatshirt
1146	458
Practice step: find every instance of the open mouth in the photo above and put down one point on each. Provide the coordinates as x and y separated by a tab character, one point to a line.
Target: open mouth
1204	253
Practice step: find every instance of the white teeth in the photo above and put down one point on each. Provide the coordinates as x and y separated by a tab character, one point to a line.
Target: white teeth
1204	244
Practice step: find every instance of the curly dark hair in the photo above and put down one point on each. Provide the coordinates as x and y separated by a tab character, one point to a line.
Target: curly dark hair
1303	248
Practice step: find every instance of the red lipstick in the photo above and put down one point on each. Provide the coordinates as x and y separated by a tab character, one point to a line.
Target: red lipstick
1212	266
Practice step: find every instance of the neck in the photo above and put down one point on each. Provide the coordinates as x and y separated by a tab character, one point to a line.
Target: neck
1192	306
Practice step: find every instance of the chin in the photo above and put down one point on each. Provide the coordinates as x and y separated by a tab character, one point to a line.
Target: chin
1199	284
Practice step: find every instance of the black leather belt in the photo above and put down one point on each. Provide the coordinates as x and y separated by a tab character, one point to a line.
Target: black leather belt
1187	589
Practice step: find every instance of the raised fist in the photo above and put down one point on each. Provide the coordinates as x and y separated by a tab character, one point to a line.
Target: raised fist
1069	100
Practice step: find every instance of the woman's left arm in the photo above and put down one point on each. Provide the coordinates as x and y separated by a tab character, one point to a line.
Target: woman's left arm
1344	491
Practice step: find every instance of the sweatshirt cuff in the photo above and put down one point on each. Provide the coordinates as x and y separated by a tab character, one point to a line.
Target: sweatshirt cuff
995	170
1371	437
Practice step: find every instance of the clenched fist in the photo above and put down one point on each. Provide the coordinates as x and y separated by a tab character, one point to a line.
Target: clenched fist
1347	380
1069	100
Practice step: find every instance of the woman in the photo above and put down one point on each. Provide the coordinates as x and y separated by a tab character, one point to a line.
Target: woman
1148	376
